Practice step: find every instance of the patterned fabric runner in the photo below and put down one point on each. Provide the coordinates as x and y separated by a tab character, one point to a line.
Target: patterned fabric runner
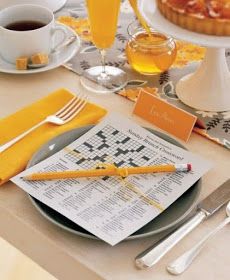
74	15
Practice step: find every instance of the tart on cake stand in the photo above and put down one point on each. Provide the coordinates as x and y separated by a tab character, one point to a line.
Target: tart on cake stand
208	88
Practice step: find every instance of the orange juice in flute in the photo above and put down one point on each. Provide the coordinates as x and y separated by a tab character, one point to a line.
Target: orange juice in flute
103	16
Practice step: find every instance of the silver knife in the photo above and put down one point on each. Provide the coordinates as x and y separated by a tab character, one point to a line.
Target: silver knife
205	209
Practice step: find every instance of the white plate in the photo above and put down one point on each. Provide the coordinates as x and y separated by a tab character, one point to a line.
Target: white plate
56	60
53	5
152	15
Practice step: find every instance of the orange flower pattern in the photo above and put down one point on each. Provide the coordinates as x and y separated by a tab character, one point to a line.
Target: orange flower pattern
133	93
79	25
163	85
186	52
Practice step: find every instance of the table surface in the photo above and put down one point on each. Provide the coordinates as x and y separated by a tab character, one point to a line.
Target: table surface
69	257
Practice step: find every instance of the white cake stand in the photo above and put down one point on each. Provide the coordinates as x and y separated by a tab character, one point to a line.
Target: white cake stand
207	89
53	5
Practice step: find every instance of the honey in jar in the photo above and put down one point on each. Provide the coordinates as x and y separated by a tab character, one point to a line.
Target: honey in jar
149	54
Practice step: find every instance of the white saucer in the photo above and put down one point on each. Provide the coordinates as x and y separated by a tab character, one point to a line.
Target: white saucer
56	59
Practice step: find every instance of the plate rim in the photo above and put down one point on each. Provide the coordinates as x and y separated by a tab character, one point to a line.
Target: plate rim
56	6
177	222
76	47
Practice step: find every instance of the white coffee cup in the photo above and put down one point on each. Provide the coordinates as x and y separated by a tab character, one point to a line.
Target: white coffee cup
14	44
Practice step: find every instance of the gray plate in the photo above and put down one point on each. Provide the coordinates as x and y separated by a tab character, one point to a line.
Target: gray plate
174	215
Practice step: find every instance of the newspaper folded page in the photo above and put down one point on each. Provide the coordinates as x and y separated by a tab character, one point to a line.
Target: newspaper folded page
112	208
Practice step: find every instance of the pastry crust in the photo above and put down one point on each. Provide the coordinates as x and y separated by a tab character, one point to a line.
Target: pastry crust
203	18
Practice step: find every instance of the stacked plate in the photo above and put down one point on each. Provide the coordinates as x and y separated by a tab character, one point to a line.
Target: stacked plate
53	5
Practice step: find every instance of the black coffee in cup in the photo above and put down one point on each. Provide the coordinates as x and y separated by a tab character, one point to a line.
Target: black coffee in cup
25	25
28	29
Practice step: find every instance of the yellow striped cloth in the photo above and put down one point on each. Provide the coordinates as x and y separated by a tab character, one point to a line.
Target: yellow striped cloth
14	160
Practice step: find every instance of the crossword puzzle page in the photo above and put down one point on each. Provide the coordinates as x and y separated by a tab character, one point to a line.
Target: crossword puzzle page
112	208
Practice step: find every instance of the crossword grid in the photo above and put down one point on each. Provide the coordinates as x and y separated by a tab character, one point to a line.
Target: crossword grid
110	146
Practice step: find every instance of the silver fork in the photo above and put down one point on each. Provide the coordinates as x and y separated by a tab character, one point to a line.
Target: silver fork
64	115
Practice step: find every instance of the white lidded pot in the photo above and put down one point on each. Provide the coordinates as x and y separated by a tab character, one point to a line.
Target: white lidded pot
53	5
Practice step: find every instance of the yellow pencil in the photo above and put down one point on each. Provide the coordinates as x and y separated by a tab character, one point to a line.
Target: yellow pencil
111	170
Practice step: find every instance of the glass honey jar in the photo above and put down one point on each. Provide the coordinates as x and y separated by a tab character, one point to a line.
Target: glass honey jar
149	54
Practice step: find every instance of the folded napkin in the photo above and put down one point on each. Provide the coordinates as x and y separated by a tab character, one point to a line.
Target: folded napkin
15	159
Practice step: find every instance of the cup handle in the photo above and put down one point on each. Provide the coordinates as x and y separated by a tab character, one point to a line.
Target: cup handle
62	29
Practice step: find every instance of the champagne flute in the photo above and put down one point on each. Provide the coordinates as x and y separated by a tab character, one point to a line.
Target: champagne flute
103	16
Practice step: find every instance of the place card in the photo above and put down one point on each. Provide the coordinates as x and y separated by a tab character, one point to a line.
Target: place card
164	115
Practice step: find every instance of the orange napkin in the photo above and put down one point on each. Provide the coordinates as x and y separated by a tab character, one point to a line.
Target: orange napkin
14	159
